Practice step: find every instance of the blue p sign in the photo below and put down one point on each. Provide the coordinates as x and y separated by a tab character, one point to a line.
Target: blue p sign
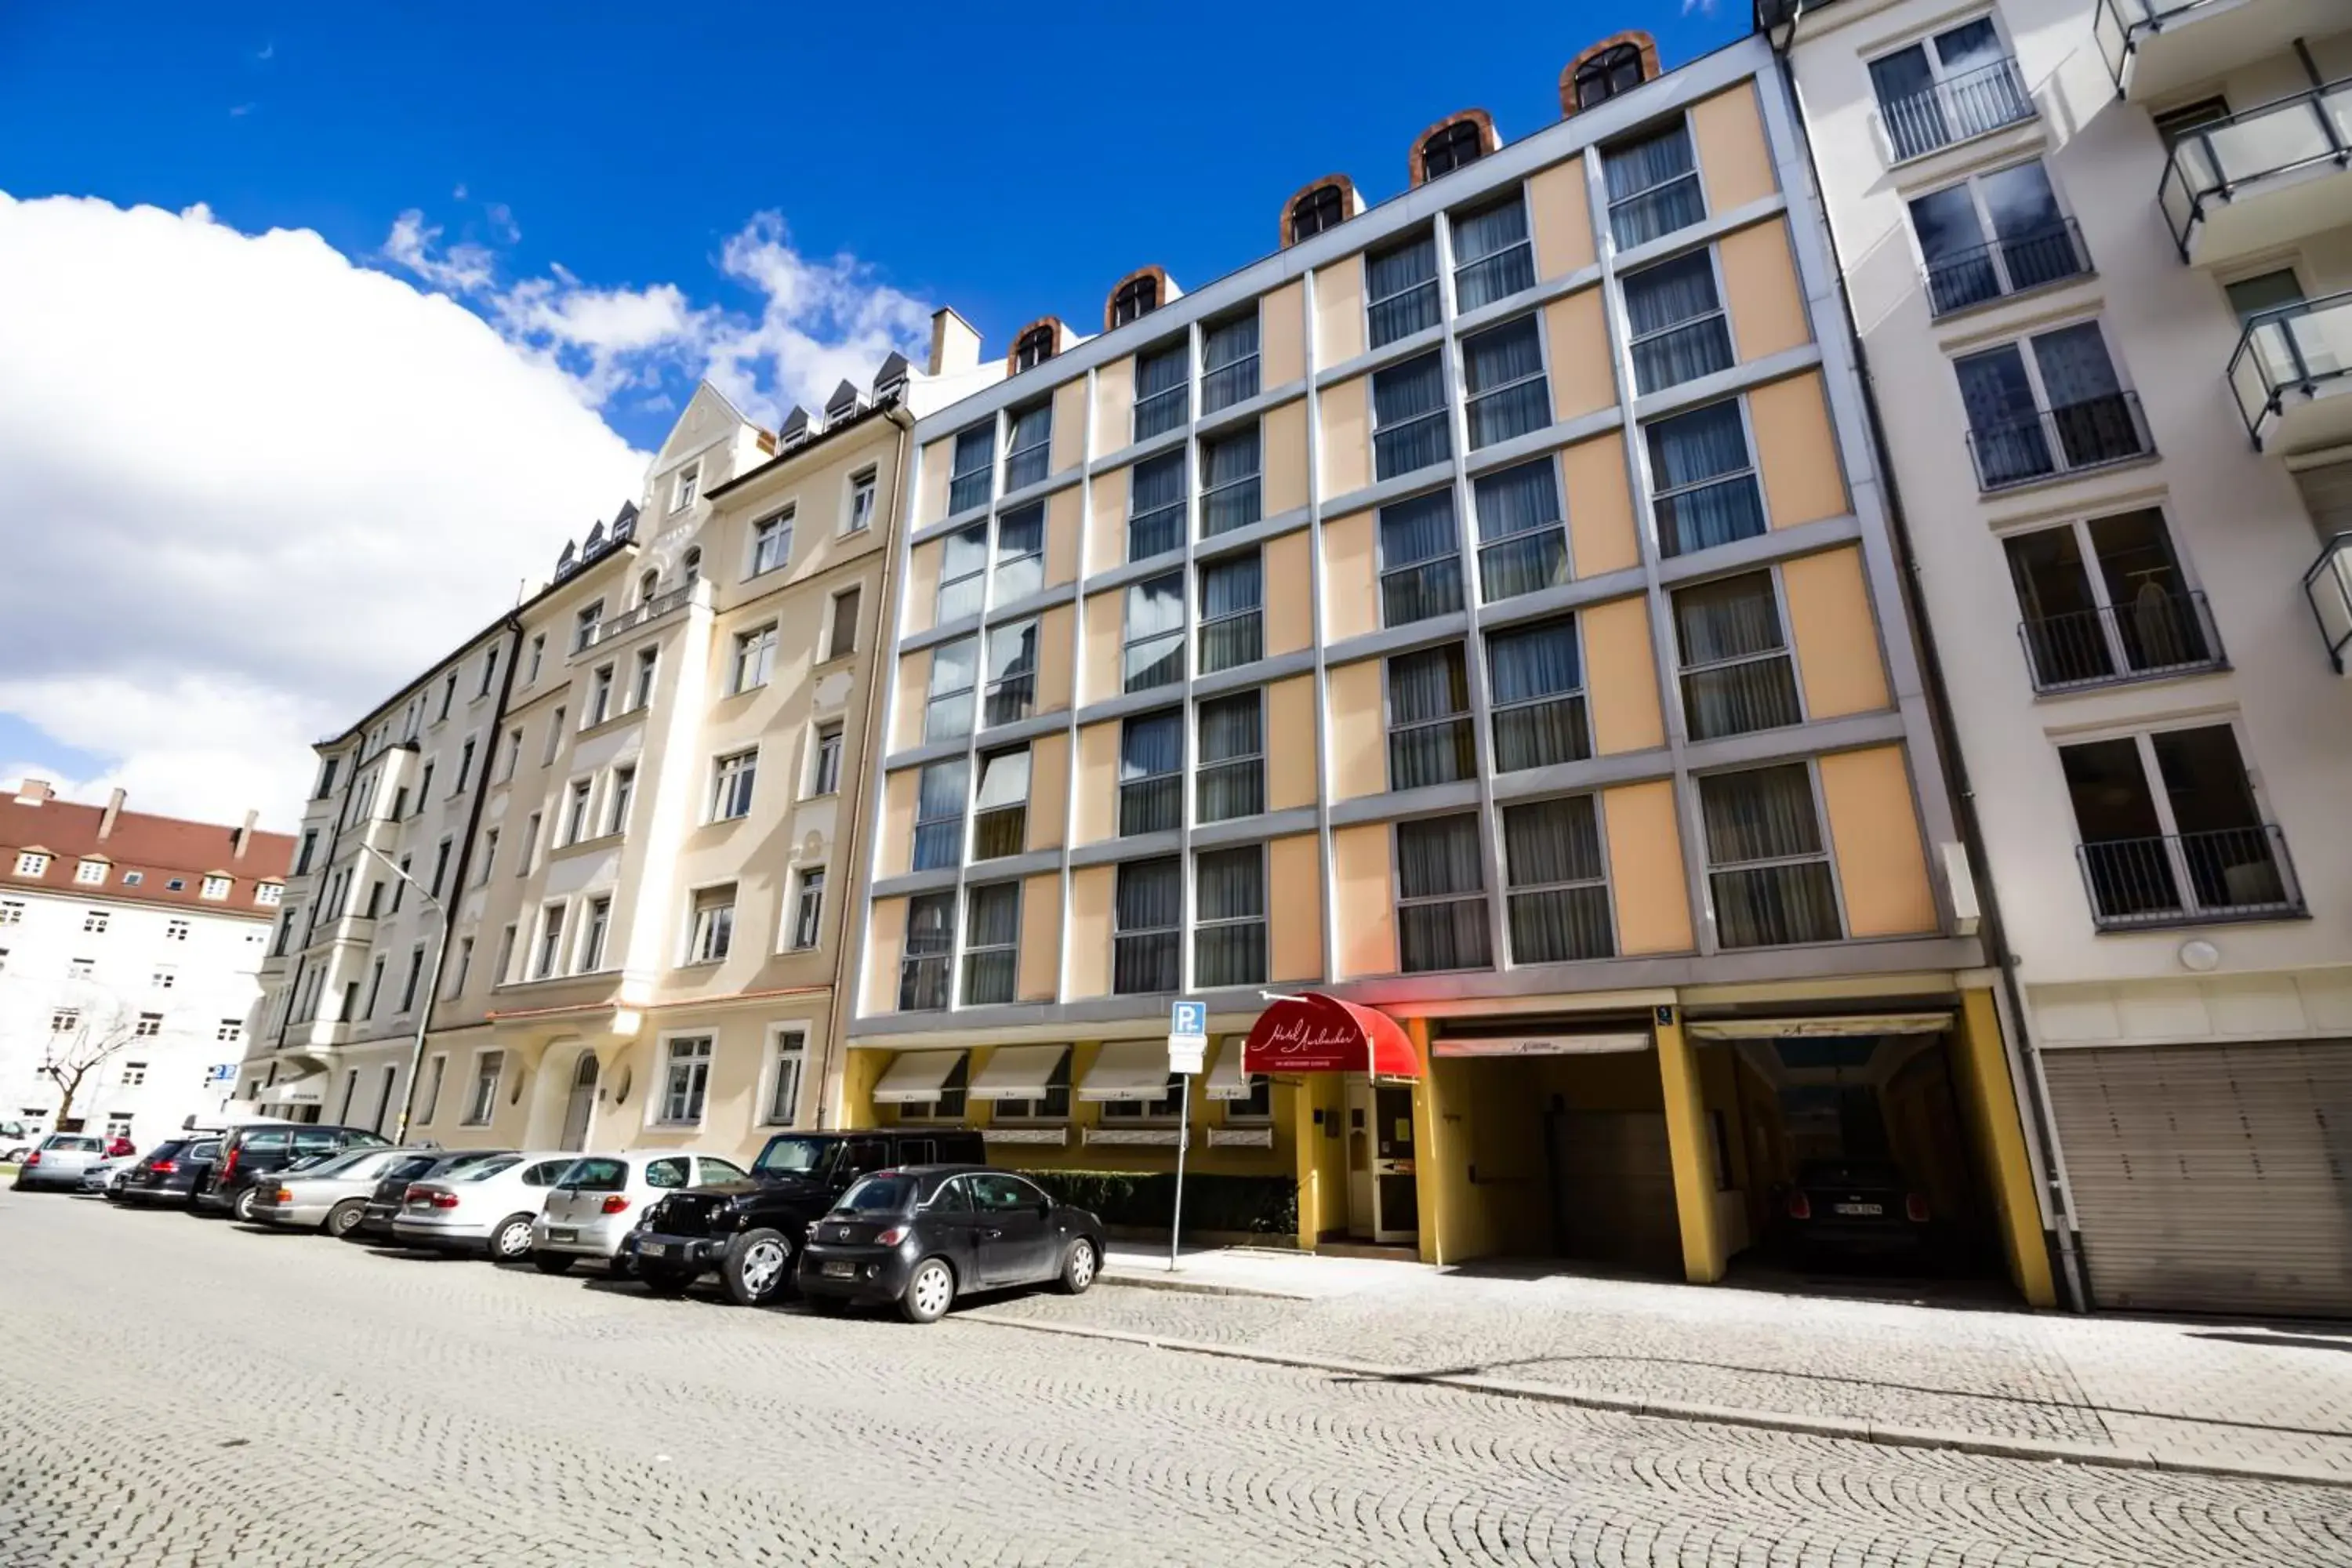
1188	1018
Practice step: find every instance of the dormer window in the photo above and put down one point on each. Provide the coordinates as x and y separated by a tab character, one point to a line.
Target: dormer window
1615	70
1135	297
1325	206
1033	348
842	405
1451	148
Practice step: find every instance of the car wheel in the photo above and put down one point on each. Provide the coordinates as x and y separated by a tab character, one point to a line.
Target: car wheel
1078	1267
510	1243
665	1281
243	1207
344	1217
552	1262
929	1292
758	1267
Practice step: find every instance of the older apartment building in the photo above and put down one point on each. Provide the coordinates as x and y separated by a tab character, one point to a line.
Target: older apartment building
630	801
2099	256
1467	644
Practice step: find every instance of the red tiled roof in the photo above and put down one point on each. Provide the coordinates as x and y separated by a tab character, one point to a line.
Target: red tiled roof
160	849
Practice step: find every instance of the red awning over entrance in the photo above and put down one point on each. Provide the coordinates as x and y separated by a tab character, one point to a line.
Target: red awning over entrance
1315	1033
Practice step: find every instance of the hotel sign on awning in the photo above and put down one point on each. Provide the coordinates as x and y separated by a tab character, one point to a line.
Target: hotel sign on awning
1315	1033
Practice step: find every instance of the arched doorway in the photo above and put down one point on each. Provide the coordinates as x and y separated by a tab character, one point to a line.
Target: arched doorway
582	1104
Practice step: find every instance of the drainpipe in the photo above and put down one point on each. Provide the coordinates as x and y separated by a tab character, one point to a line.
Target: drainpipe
2035	1102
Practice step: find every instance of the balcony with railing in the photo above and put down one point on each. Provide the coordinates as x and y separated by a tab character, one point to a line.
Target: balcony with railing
2261	178
2071	438
2189	878
2292	375
1957	109
2015	264
2156	634
2154	47
630	619
2328	586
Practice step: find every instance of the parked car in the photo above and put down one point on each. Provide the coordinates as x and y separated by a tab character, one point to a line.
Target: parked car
485	1207
18	1138
102	1176
1855	1206
591	1211
257	1149
171	1171
923	1235
328	1196
749	1231
59	1161
392	1185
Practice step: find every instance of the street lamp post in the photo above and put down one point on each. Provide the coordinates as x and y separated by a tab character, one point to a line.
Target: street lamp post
432	988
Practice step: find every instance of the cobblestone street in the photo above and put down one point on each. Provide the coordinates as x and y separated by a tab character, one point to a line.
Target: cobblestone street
184	1392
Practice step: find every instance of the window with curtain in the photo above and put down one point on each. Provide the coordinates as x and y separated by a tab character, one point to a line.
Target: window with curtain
1421	559
955	669
1676	320
1493	257
992	943
1155	506
1150	773
1704	482
1162	383
1000	819
2094	418
1229	487
963	569
939	791
1229	362
1229	916
1429	718
1232	596
1736	673
2005	429
1653	182
1020	553
1409	427
1558	894
1154	650
1442	896
1012	691
1400	289
1767	867
975	455
1148	915
923	961
1503	380
1231	776
1522	535
1537	679
1027	445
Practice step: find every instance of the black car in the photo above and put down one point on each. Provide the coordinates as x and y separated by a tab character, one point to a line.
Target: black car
250	1152
1855	1206
171	1171
748	1231
382	1205
923	1235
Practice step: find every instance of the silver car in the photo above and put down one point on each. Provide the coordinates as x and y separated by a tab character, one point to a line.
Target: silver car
60	1162
602	1196
326	1196
487	1207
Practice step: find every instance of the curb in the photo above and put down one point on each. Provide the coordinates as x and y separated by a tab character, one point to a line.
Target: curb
1945	1439
1189	1288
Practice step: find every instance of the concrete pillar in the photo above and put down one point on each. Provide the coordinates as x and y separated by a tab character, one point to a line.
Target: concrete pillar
1430	1163
1691	1143
1305	1143
1998	1136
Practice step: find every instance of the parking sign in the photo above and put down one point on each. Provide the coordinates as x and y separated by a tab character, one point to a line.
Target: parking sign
1187	1035
1188	1018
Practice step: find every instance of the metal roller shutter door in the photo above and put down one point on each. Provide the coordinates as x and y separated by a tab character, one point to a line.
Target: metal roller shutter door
2211	1178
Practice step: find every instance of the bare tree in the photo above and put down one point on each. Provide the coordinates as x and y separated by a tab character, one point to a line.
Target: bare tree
99	1033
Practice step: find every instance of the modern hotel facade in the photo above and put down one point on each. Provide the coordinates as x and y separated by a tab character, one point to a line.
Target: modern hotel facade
1484	609
2099	256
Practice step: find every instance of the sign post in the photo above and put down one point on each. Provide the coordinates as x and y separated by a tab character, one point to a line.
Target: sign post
1188	1043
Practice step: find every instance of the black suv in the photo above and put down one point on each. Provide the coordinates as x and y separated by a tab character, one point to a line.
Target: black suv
749	1231
249	1153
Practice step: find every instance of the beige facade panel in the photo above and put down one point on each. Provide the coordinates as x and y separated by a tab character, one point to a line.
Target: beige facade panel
1064	518
1347	437
1049	790
1099	657
1057	639
1621	681
1759	282
1339	311
1096	782
1289	595
1107	534
1114	403
898	845
1352	600
1583	379
1802	479
1734	161
1601	532
1874	833
1836	638
1359	761
1645	868
1290	744
1040	979
1091	888
1282	462
1364	900
885	943
1561	219
1282	338
931	499
923	586
1070	447
1295	913
914	682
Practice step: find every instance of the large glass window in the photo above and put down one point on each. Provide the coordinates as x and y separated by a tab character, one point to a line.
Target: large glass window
755	658
2058	408
1503	377
1155	511
2106	600
1148	914
964	568
939	791
731	785
1429	718
1704	480
1153	654
1767	865
1000	822
1229	482
1229	916
1012	692
1150	773
1442	895
1958	84
1401	287
1162	381
1538	696
1027	445
1558	896
1409	426
1421	559
1736	673
975	455
771	541
686	1080
1995	234
1229	362
1232	772
955	669
1654	186
1232	613
1679	330
2171	831
714	925
1020	553
1492	259
992	943
930	943
1522	537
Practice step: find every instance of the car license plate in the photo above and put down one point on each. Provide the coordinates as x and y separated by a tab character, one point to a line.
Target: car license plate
560	1233
1858	1208
655	1248
840	1272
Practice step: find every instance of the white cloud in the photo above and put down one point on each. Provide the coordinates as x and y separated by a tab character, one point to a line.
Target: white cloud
256	487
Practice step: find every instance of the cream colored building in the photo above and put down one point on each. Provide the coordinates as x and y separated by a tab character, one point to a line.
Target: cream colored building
2100	256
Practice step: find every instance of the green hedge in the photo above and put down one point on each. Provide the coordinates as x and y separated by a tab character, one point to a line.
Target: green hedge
1265	1206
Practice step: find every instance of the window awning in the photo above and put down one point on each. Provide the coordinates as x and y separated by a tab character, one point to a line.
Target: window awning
309	1089
1227	1079
1818	1028
1017	1072
1128	1069
1315	1033
915	1077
